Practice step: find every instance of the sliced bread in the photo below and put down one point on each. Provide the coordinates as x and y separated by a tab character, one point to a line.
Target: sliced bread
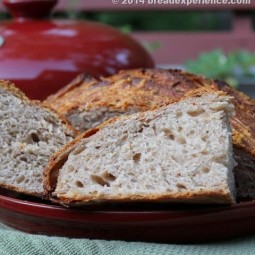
181	152
87	102
30	134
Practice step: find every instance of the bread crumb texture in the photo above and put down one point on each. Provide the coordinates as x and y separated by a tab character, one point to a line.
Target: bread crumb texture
179	152
30	134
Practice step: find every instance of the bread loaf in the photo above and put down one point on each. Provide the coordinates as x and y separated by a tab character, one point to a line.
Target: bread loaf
180	152
30	133
87	102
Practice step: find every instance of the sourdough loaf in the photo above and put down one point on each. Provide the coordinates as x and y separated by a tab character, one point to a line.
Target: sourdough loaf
87	102
30	133
179	152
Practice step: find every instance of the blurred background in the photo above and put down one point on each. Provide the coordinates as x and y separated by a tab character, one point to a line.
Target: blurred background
217	41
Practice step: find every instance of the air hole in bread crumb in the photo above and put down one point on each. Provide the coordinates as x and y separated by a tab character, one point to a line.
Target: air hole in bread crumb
124	138
20	179
180	129
23	159
70	169
219	160
97	147
79	150
195	112
181	140
181	186
154	129
168	133
137	157
204	138
178	114
149	187
140	130
79	184
142	127
99	180
34	137
206	170
204	152
108	177
192	132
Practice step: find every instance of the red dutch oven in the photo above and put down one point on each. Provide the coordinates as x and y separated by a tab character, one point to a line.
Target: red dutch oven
40	55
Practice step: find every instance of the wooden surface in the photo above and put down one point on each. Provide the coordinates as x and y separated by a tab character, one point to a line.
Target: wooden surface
176	48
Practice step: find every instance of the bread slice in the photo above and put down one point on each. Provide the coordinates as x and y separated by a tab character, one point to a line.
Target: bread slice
87	102
30	133
181	152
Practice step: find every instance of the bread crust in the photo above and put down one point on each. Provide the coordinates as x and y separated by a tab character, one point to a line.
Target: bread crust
209	197
140	89
78	81
51	171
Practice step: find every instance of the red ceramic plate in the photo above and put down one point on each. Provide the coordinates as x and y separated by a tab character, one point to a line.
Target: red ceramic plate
151	223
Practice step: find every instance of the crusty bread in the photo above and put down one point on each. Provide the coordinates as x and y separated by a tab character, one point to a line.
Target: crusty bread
30	133
179	152
87	102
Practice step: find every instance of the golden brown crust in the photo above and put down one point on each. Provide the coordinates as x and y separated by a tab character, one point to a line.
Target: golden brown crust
141	89
79	80
200	197
9	86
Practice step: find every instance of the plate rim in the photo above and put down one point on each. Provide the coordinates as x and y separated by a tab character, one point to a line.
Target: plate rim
54	211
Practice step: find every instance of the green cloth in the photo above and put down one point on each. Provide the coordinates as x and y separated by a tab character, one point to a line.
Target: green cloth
13	242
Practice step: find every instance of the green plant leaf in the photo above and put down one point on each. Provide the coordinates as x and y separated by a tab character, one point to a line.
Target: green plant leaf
233	67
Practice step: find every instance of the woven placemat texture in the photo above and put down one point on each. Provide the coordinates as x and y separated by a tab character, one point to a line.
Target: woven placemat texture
15	242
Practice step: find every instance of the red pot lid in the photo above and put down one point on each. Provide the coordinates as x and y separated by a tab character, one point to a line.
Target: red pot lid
42	55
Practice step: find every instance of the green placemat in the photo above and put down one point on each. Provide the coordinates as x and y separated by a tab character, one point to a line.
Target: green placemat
13	242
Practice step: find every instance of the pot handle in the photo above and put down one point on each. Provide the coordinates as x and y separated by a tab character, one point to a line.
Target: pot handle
30	9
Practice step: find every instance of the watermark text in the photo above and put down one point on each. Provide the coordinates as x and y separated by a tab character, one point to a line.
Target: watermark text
181	2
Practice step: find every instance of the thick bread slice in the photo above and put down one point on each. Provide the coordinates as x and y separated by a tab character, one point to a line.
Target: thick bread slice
88	102
30	133
179	152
